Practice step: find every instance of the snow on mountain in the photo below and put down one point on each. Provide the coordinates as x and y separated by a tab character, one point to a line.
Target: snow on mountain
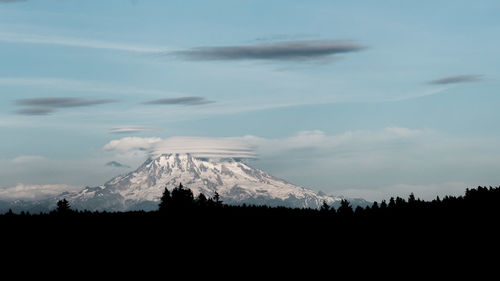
235	181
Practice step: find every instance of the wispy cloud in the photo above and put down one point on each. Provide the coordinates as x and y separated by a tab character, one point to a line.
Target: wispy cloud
44	106
180	101
76	42
116	164
284	51
76	85
11	1
456	79
58	102
34	192
35	111
129	129
28	159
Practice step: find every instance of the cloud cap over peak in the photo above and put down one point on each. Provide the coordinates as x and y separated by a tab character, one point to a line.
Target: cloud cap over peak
284	51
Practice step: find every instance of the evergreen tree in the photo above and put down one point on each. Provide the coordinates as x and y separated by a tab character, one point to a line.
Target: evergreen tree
345	208
165	200
201	200
182	197
217	200
325	208
63	206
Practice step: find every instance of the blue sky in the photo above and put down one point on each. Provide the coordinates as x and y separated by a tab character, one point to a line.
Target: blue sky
359	98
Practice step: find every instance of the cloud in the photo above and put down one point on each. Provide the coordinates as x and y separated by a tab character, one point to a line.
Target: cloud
339	143
284	51
61	102
181	101
130	144
252	146
26	159
116	164
128	129
456	79
44	106
76	42
34	192
198	146
35	111
423	191
77	85
11	1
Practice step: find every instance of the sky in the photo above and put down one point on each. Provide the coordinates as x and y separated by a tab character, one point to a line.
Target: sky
366	99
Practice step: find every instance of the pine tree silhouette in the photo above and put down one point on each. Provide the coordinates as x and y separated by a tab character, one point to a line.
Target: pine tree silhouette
201	200
63	206
165	200
182	197
217	200
345	208
325	208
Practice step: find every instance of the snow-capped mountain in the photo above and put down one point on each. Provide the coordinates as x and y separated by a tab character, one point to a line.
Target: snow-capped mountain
235	181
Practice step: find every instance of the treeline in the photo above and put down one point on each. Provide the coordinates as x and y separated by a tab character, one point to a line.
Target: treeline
483	201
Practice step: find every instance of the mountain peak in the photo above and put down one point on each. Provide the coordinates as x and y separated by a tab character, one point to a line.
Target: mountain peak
235	181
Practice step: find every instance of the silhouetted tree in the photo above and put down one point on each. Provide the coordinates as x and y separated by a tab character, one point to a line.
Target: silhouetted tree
201	200
359	210
345	208
325	208
182	197
411	199
63	206
383	205
165	200
392	203
217	200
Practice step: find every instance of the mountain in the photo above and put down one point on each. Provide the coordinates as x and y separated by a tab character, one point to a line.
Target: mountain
235	181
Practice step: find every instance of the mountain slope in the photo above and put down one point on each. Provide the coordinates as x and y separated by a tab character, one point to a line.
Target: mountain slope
235	181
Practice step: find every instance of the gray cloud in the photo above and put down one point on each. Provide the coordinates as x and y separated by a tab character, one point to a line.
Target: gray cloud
181	101
35	111
44	106
116	164
285	51
456	79
129	129
11	1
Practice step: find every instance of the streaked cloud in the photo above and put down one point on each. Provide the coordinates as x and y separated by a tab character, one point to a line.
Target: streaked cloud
129	129
10	37
47	105
116	164
35	111
284	51
77	85
180	101
57	102
11	1
34	192
28	159
456	79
